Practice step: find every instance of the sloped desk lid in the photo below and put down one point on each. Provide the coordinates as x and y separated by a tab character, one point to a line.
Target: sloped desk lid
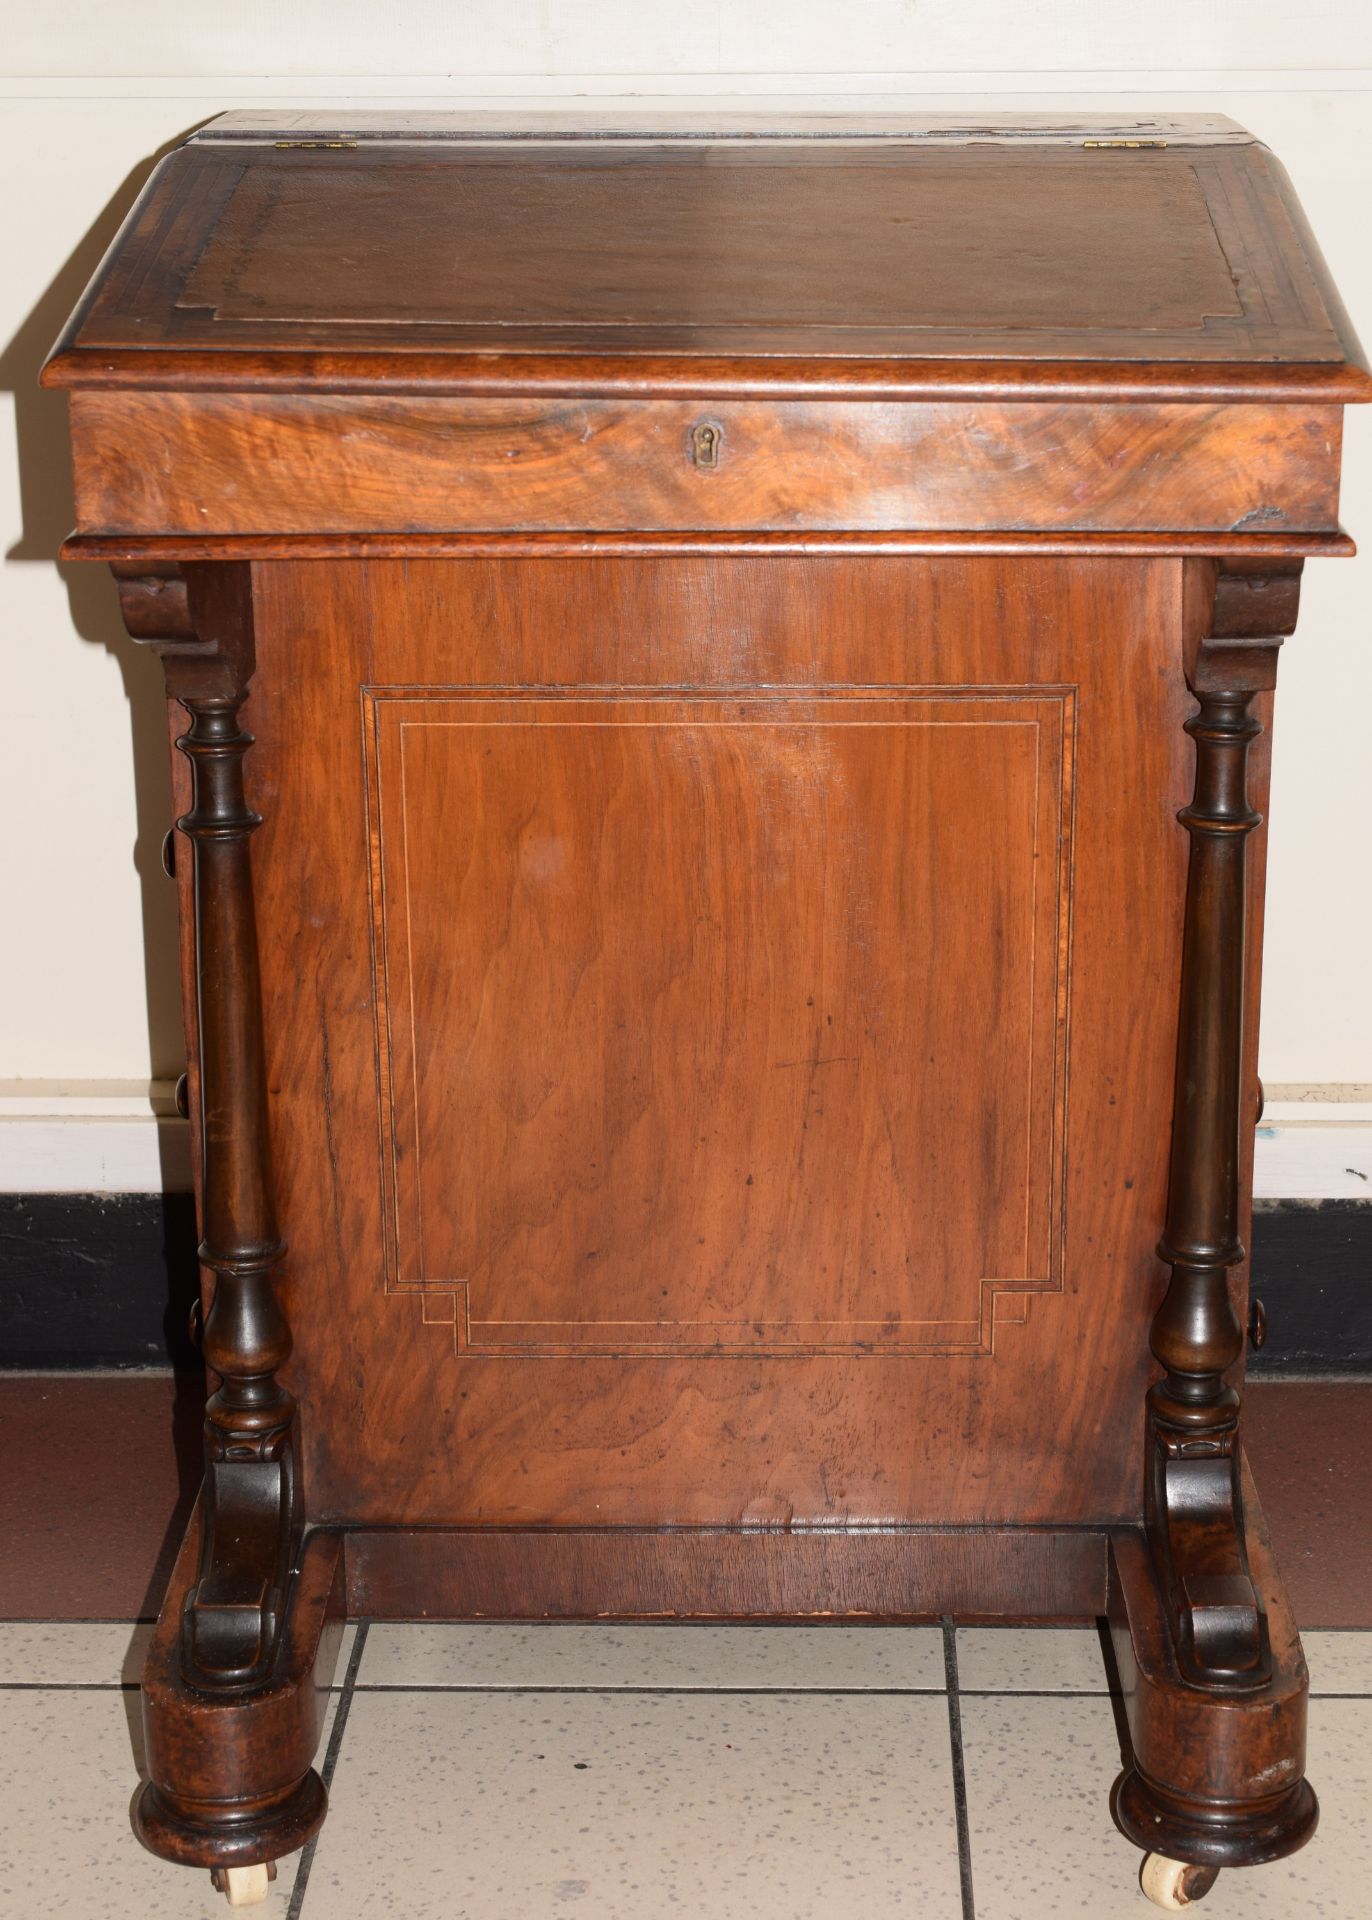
817	254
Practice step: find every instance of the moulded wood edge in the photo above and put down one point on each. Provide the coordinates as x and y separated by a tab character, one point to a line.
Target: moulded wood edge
467	374
175	547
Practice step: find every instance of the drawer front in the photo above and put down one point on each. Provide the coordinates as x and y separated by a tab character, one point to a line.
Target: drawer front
176	464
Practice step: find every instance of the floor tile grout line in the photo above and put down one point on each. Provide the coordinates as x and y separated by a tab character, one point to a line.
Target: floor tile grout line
963	1824
78	1620
746	1692
679	1626
609	1686
612	1687
70	1686
1105	1693
340	1721
85	1686
345	1702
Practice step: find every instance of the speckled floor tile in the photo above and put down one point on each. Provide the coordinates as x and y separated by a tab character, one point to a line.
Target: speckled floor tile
64	1653
501	1806
1031	1660
1339	1662
1039	1772
1069	1660
68	1774
88	1653
755	1658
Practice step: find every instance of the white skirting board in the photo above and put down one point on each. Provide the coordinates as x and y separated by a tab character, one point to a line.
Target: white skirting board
126	1137
111	1136
1314	1150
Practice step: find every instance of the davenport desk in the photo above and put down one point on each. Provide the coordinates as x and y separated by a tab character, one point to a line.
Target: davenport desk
721	678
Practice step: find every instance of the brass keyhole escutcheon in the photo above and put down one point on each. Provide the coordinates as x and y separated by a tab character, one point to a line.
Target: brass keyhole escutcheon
707	440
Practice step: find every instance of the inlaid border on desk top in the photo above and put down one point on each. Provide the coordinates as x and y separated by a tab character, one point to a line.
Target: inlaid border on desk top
1292	340
1279	307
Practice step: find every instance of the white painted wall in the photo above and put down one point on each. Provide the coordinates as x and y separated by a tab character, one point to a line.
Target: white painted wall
90	92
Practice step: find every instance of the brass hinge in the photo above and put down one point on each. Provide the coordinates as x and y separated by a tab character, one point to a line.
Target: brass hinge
1124	143
334	144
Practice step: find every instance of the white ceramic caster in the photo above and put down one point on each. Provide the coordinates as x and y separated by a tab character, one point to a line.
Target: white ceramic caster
245	1886
1174	1884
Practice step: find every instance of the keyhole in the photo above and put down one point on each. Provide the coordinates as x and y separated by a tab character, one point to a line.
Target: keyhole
706	439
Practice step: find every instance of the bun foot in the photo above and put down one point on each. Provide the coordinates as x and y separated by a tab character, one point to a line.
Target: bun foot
244	1886
1174	1884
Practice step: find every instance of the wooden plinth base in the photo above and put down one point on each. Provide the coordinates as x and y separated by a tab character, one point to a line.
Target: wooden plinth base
230	1776
206	1834
1216	1779
896	1576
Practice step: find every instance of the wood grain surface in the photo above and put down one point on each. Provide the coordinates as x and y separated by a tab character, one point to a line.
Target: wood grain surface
829	1576
709	1437
173	463
1029	249
943	241
145	550
723	611
687	905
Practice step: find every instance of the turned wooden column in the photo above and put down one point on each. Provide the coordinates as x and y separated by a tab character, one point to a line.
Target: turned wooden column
237	1674
233	1614
1193	1496
1214	1683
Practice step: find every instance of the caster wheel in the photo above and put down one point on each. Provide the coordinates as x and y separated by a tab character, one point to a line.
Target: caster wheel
244	1886
1174	1884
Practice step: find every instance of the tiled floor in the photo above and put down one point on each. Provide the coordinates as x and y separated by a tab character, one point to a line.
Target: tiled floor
652	1773
518	1773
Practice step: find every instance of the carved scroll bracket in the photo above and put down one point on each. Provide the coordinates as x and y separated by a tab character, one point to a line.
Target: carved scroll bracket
1193	1499
200	621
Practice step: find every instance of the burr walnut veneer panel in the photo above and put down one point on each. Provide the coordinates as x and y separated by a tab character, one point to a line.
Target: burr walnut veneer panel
173	463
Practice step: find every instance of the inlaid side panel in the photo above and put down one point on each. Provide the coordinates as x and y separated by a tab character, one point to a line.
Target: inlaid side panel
695	1013
579	841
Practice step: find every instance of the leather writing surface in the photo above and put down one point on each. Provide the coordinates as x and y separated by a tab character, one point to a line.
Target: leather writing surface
1177	253
718	237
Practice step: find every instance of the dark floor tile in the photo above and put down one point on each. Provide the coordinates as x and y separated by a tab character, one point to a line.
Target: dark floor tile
100	1471
1309	1443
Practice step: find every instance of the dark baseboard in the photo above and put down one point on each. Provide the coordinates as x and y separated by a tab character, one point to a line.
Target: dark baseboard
97	1280
1312	1270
